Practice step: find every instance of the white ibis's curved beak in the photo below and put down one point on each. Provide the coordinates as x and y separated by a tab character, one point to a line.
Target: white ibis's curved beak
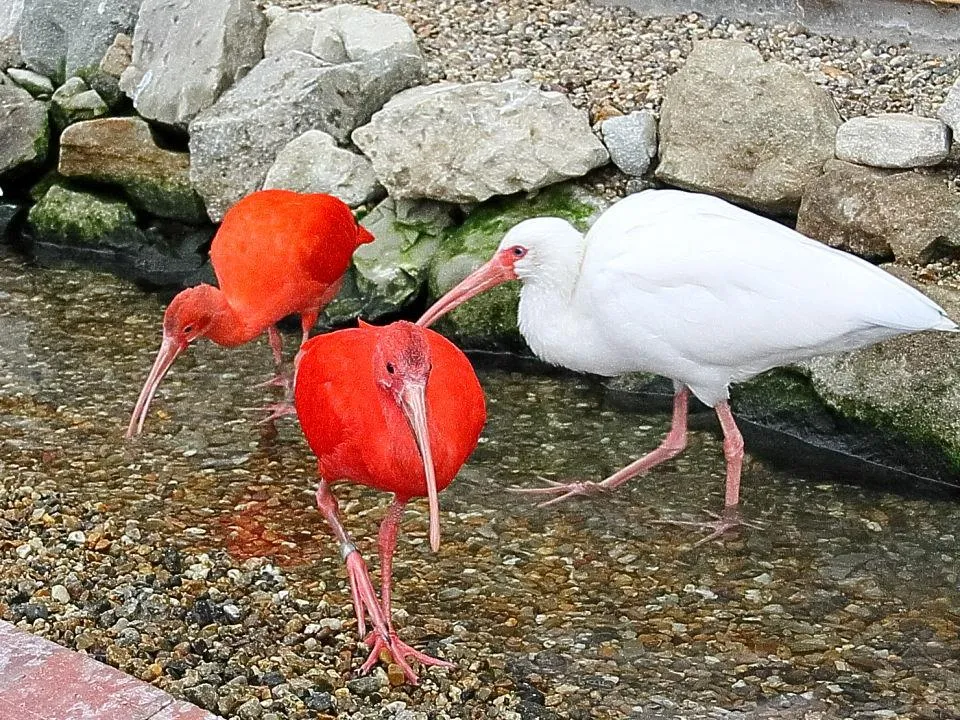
414	405
169	349
492	273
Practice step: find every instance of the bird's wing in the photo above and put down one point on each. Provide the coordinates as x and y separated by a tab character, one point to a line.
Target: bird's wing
721	286
277	251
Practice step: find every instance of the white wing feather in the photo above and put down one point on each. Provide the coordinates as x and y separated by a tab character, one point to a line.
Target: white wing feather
708	293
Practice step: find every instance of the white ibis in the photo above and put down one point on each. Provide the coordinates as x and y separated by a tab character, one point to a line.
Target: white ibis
693	288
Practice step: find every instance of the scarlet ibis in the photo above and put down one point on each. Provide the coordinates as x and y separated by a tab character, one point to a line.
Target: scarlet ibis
276	253
397	408
693	288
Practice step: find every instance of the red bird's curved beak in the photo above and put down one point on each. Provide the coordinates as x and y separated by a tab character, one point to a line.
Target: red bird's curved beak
169	349
492	273
413	403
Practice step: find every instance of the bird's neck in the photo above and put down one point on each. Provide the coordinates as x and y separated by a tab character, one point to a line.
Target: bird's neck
227	327
555	319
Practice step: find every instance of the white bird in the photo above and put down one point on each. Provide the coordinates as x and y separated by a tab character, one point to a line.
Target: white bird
693	288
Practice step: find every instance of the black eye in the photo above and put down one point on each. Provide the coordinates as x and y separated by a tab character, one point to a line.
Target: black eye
390	368
188	329
519	251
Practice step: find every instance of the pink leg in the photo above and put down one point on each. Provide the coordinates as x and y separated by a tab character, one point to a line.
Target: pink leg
307	321
672	445
364	597
276	346
398	649
730	517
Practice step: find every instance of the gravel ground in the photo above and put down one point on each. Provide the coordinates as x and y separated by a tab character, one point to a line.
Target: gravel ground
193	557
610	57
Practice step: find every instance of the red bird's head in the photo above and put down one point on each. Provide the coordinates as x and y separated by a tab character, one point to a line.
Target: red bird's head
401	367
189	316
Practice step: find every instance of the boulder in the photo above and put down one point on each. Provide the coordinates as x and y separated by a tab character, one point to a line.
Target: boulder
67	227
909	385
489	321
894	140
295	31
751	131
75	101
122	151
68	217
950	110
24	130
391	271
880	214
312	162
467	143
34	83
234	142
383	43
11	14
631	141
186	54
65	38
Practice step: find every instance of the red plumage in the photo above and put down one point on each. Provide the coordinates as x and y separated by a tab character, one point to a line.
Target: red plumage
359	434
397	408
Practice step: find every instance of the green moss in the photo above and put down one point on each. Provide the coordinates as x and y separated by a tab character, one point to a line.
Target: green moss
68	216
177	201
490	320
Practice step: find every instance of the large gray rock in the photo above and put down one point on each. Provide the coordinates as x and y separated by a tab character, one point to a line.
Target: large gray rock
24	129
489	321
186	54
751	131
467	143
62	38
234	143
631	141
950	110
894	140
121	151
313	163
296	30
909	385
881	214
11	14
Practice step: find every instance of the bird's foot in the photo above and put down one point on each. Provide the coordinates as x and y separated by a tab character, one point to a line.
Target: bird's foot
563	491
364	597
281	380
727	520
399	652
274	411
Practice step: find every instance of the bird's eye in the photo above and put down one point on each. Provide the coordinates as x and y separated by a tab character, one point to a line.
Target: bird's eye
188	329
518	251
390	368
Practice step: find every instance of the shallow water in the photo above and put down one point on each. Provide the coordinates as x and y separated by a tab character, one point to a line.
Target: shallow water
844	604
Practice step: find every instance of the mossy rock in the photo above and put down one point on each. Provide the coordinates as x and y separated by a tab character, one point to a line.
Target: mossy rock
489	321
69	217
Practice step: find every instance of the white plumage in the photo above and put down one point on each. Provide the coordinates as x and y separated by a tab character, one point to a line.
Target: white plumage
701	291
693	288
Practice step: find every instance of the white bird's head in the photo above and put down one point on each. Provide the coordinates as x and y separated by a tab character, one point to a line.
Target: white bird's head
535	249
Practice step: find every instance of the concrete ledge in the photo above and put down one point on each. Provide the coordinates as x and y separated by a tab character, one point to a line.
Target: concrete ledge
928	26
39	680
